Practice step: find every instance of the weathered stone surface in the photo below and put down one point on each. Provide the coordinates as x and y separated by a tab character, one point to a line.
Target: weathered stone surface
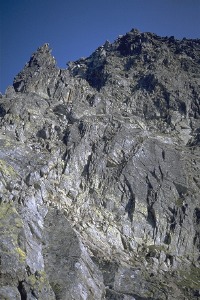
72	273
100	174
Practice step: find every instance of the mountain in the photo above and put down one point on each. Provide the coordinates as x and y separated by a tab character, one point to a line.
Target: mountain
100	174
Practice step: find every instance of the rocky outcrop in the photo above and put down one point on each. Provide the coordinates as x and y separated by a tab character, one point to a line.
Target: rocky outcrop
100	174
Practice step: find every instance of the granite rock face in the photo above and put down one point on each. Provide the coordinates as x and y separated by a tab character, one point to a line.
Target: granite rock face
100	174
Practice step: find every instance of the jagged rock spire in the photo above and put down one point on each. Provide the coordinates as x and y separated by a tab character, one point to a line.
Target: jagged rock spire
42	57
37	73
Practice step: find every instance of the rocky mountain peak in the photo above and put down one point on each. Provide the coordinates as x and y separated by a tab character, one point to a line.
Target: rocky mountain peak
38	71
99	174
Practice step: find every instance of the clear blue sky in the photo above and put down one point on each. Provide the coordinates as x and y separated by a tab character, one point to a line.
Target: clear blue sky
75	28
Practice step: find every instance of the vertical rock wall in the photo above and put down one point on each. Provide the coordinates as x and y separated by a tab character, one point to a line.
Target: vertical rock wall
99	174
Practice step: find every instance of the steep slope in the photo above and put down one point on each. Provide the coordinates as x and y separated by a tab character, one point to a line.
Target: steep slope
100	174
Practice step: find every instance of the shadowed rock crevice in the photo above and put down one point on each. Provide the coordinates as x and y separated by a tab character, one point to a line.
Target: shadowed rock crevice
22	291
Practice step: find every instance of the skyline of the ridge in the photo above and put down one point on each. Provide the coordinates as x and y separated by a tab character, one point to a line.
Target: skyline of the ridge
75	28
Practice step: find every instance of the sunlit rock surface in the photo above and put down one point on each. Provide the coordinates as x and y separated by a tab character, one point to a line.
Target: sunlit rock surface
100	174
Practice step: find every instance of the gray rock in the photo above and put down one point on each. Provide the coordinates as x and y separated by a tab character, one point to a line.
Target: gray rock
9	293
70	270
99	174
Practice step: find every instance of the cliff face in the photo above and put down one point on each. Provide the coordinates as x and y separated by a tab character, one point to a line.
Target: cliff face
100	174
